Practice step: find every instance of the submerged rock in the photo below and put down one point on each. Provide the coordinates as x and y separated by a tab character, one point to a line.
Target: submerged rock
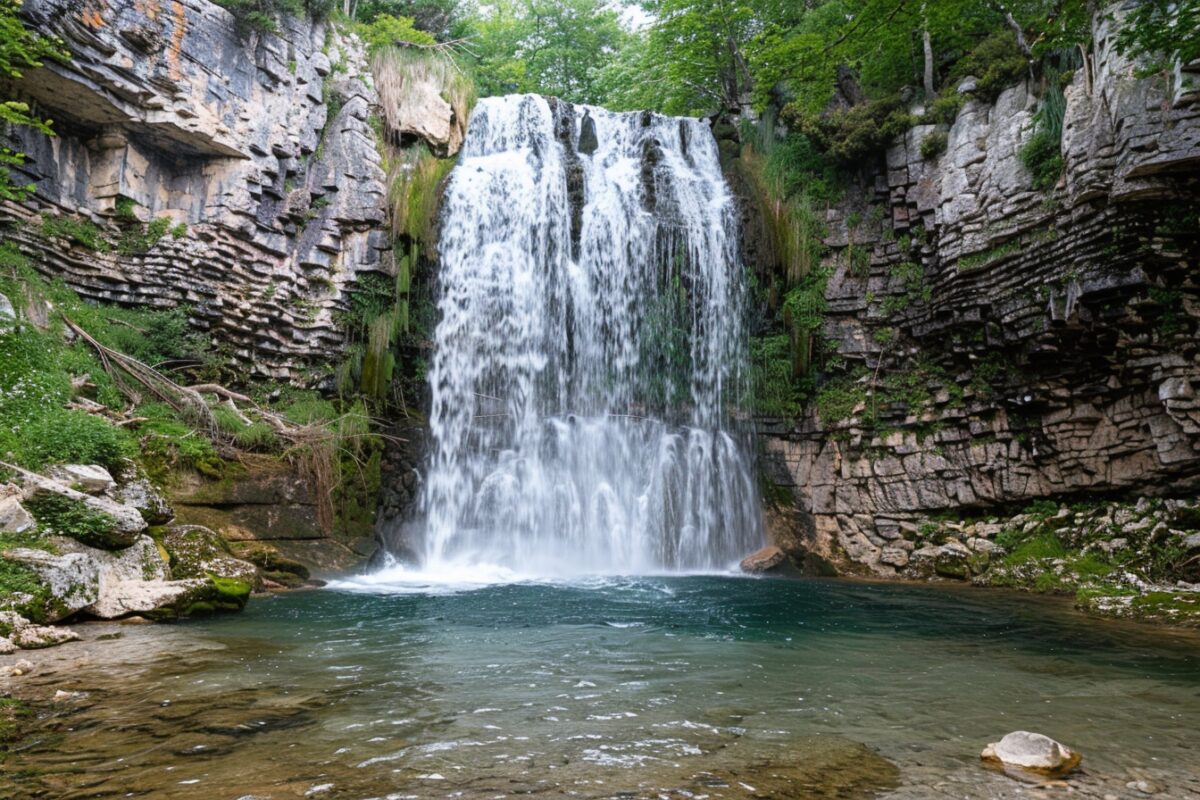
16	631
814	767
22	667
1032	751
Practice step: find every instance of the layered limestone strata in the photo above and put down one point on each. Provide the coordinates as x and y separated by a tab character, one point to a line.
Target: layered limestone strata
1003	344
259	143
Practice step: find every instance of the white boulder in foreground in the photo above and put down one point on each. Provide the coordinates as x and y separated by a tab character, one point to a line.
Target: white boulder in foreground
1032	751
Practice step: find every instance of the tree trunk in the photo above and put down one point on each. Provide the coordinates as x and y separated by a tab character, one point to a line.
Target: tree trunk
928	63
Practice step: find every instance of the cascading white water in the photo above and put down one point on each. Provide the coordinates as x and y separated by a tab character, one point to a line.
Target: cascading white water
589	343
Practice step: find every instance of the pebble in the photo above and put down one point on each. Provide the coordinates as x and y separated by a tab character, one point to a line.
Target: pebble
1145	787
22	667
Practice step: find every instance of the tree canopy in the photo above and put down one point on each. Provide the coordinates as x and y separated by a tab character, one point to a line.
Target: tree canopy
706	56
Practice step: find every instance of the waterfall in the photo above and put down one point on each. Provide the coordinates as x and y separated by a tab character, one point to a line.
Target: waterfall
589	348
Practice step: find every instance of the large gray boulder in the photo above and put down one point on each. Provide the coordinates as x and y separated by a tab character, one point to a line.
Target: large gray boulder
103	583
124	522
415	108
198	552
134	489
763	560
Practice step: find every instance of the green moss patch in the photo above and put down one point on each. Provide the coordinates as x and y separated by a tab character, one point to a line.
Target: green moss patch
69	517
23	591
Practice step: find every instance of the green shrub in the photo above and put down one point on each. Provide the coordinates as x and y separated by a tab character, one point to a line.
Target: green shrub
168	443
1042	508
1043	158
790	182
372	295
838	398
415	180
794	165
139	238
804	304
125	208
255	436
911	277
945	107
61	436
1041	545
310	410
386	30
934	144
773	391
996	62
851	135
260	16
1042	154
84	233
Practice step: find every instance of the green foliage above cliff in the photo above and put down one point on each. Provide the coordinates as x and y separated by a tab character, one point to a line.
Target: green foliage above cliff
262	16
554	47
386	31
1161	33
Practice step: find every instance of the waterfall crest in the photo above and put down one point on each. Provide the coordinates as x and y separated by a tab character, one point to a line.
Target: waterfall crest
589	345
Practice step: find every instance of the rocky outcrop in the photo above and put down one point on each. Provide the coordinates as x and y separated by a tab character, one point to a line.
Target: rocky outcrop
258	150
412	96
763	560
397	530
118	525
269	501
77	557
1002	344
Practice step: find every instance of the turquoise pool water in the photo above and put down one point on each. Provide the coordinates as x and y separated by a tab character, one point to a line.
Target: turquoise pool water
703	686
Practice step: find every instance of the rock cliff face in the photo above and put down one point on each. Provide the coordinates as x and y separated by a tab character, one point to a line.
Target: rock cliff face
1005	344
260	145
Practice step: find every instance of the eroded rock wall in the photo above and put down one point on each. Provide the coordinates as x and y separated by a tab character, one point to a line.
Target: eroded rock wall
1001	343
259	143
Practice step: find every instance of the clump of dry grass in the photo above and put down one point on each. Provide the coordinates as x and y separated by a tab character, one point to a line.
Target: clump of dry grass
399	71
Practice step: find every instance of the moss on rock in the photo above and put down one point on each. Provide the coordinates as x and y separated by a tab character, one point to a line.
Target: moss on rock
24	591
198	552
